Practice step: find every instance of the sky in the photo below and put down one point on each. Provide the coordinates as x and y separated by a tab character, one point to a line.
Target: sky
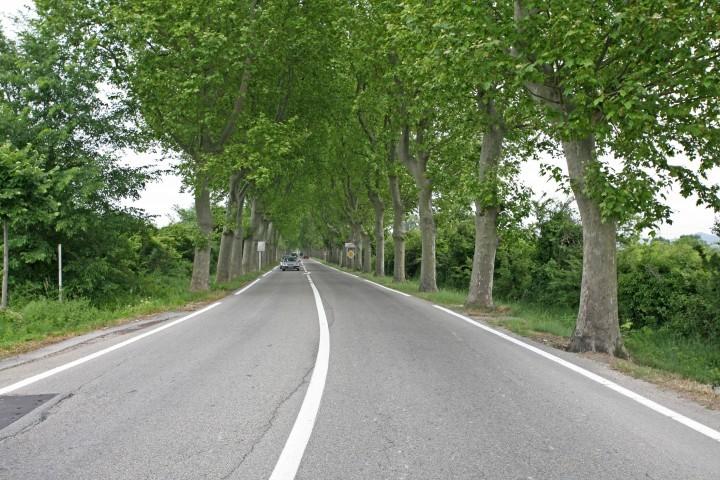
160	198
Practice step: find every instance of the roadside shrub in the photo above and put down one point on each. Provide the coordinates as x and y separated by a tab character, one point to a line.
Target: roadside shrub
10	320
47	316
669	284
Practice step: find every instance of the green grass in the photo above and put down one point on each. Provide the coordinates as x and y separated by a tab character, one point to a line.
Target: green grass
41	320
692	358
528	319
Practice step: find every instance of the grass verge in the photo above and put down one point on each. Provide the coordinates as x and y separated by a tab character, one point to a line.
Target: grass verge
41	322
689	366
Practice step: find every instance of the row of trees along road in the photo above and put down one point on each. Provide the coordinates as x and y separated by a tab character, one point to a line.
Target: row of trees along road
340	121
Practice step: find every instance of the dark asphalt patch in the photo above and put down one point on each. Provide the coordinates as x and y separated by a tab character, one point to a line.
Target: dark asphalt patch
14	407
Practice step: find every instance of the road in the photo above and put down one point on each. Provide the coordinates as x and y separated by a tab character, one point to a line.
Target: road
243	390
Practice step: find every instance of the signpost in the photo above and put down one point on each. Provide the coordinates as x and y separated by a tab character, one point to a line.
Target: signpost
350	250
60	292
260	250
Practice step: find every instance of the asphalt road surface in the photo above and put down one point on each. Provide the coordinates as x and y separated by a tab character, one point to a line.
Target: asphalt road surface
319	375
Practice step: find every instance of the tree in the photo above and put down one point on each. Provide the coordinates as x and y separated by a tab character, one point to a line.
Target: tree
23	198
635	81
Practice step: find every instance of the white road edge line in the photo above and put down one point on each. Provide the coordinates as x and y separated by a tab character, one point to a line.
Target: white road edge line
338	270
688	422
287	465
247	286
100	353
369	281
387	288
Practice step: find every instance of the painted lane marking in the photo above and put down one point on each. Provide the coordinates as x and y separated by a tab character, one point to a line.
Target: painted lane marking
688	422
369	281
338	270
387	288
100	353
294	449
247	286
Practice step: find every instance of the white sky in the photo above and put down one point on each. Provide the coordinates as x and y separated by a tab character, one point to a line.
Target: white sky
161	197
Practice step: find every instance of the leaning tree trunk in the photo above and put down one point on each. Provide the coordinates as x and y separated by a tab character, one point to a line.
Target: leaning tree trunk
367	253
226	241
201	264
379	208
237	241
6	266
597	327
480	294
398	230
428	280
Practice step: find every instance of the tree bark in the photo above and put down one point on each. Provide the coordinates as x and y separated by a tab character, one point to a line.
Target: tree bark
597	328
379	232
356	263
201	264
398	230
428	280
480	293
417	165
237	242
366	253
6	266
222	273
269	236
248	245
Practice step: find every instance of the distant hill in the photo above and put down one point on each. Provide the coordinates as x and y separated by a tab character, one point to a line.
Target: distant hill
708	238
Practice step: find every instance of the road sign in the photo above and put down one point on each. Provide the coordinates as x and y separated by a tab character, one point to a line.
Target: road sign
351	254
261	246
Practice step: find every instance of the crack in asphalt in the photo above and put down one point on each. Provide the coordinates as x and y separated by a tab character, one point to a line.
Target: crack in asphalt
269	424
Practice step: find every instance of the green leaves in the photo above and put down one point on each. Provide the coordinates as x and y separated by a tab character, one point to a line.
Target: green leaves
24	186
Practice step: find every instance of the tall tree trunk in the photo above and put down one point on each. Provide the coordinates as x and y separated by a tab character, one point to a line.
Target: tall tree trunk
222	273
201	264
480	294
379	231
367	253
6	266
398	230
248	245
237	241
597	327
269	244
428	280
417	165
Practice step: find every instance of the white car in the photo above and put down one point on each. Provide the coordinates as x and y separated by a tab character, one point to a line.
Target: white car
290	262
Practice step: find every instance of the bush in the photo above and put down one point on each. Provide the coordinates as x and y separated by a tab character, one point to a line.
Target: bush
9	321
665	284
47	316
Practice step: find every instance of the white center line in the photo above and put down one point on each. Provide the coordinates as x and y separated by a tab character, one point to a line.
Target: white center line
688	422
291	456
100	353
